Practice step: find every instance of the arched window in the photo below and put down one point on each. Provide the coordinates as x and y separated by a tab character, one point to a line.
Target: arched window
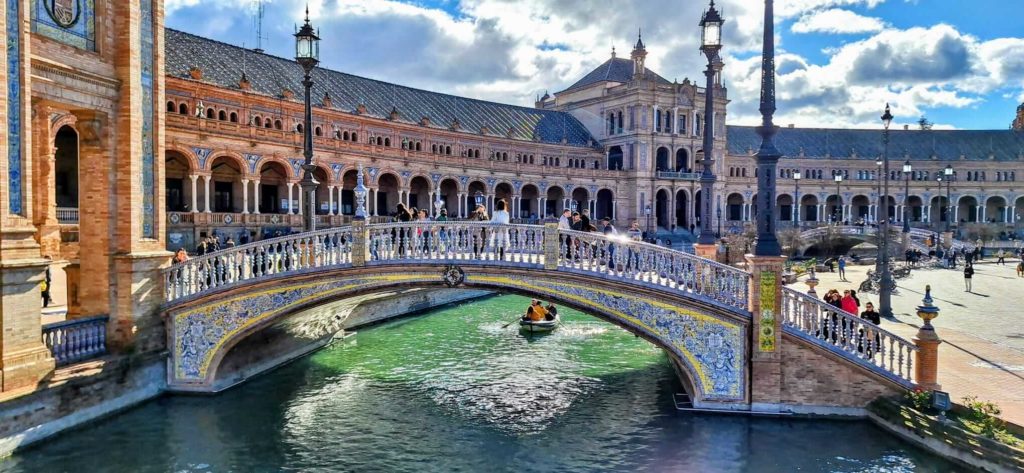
476	154
344	136
257	121
355	137
171	108
318	131
418	146
433	149
233	118
277	124
267	124
387	142
222	116
210	113
298	128
558	162
448	150
183	109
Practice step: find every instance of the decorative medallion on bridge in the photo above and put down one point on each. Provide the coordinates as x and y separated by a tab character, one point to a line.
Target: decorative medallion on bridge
64	12
274	218
174	218
453	276
228	219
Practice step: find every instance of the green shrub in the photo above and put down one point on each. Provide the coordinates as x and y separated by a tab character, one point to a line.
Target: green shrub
919	398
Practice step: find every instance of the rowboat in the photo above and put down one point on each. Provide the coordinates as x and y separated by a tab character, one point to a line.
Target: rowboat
542	326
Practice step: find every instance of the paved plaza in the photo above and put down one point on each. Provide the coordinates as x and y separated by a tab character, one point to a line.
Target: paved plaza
983	341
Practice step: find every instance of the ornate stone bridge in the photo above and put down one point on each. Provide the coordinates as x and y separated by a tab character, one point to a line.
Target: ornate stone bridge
695	309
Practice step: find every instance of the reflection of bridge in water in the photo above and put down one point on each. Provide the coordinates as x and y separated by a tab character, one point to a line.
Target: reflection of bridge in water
698	310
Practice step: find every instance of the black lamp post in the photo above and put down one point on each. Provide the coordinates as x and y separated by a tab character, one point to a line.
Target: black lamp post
886	283
796	200
719	211
307	54
949	205
767	242
878	192
838	214
907	170
711	44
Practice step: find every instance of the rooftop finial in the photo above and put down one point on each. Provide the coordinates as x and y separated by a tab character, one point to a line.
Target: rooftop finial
639	40
613	51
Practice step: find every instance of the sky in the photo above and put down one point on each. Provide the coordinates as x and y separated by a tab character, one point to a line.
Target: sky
958	63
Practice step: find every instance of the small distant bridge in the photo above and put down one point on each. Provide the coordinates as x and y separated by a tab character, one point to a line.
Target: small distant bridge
696	309
851	235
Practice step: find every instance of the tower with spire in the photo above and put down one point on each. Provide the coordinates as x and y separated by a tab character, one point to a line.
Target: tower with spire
1018	123
639	56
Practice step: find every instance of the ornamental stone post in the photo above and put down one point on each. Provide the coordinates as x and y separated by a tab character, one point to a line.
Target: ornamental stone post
926	370
765	302
551	244
360	243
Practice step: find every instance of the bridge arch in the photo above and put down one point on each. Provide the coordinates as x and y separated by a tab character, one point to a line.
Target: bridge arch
707	344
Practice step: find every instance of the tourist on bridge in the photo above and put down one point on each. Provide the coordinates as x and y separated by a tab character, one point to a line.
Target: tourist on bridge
609	231
478	234
499	237
968	275
848	303
866	336
180	256
398	235
423	231
564	222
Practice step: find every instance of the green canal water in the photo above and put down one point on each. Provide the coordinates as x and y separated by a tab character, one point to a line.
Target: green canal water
454	391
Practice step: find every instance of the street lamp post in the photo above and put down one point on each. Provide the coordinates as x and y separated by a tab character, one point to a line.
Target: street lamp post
767	242
886	283
647	212
719	212
796	200
307	54
838	214
907	170
949	205
360	192
878	192
711	44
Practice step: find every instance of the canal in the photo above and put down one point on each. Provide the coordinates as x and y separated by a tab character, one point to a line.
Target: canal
456	390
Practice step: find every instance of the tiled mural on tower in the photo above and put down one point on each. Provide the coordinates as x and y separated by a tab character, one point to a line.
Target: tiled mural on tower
71	22
14	149
148	77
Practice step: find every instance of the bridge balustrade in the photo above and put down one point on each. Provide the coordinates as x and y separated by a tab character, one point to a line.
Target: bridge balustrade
76	340
848	334
537	246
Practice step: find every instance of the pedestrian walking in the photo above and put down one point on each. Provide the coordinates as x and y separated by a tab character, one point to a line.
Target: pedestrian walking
1001	258
842	268
968	275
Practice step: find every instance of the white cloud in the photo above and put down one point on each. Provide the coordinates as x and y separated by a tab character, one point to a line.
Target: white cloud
837	21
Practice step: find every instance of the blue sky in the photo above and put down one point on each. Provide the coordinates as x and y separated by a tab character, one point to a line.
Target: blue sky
959	63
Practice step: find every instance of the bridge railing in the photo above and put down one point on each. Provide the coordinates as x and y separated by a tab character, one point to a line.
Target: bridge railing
289	254
76	340
849	335
455	242
617	257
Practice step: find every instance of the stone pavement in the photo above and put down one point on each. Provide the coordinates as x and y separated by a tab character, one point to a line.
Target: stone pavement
982	353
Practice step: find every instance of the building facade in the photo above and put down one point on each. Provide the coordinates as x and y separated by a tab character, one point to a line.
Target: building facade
125	139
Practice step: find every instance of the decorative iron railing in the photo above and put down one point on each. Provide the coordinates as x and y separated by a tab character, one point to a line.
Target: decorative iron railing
594	254
67	215
848	335
76	340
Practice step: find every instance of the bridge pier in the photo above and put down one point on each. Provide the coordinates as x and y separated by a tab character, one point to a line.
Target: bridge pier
765	297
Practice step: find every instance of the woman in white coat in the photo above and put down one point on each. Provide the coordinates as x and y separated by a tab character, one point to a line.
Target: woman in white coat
499	237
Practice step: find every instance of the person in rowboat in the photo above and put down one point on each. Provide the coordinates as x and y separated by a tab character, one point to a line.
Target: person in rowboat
552	312
536	312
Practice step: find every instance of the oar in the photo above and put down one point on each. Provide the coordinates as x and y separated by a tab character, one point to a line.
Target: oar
512	322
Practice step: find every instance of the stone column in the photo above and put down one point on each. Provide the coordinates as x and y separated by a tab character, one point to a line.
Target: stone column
206	197
291	185
195	192
926	366
300	210
765	332
245	196
256	197
330	200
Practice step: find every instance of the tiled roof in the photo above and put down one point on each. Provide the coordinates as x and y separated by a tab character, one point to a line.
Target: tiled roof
1005	145
222	65
614	70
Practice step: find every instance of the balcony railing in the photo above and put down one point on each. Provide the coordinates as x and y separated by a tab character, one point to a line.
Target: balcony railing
679	176
76	340
67	215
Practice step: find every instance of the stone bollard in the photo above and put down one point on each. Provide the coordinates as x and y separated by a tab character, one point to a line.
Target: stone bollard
811	282
706	251
926	370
